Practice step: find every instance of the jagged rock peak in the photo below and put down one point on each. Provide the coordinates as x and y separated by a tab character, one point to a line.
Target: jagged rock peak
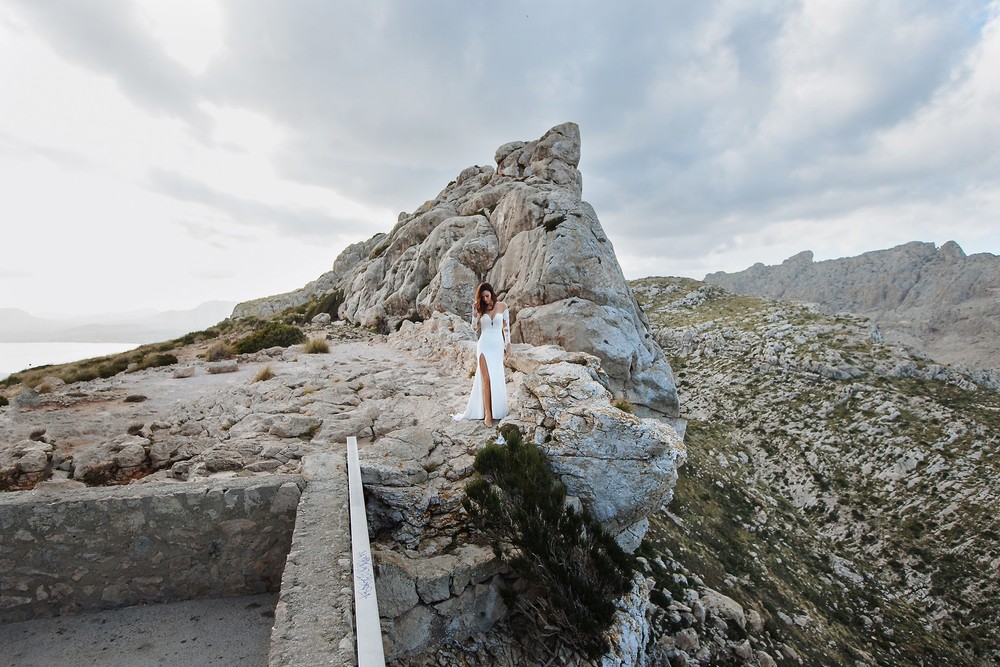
937	299
524	228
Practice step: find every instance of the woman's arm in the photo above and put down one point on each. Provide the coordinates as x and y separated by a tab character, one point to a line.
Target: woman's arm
506	329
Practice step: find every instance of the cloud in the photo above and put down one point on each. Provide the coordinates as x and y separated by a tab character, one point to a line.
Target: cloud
18	149
302	222
708	128
108	37
7	274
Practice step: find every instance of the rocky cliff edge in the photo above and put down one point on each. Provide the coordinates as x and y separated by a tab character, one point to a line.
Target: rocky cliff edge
524	228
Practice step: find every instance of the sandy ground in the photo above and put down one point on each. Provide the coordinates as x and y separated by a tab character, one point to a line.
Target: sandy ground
220	632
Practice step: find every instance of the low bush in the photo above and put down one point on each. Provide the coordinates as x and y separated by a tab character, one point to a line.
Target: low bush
271	334
328	303
573	567
3	401
623	405
114	367
155	360
207	334
219	351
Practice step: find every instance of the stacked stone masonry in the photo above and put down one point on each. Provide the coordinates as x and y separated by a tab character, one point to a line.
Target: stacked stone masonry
103	548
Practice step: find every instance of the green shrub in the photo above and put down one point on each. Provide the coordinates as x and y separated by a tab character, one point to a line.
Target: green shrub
317	346
206	334
573	566
155	360
271	334
623	405
114	367
3	401
329	303
381	325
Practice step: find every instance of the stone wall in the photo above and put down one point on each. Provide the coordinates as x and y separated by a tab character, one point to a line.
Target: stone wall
102	548
314	618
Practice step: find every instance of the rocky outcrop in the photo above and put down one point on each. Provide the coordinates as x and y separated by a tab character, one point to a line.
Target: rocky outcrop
938	300
395	393
524	228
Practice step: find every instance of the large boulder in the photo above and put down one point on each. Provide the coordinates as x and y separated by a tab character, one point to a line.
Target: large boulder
523	227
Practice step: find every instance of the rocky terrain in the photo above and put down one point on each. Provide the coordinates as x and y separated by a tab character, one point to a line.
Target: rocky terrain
938	300
436	583
837	503
523	227
169	414
841	490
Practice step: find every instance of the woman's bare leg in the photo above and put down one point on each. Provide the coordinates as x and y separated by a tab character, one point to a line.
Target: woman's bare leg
484	371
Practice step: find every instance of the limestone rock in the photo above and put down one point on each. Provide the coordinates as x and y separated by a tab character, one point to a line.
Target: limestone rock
524	228
294	426
121	459
227	366
24	464
622	466
724	607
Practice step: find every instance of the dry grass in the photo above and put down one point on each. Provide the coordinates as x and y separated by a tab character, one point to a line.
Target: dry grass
263	374
317	346
219	351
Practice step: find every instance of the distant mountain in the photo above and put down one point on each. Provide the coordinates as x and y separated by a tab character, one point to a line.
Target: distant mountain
18	326
938	300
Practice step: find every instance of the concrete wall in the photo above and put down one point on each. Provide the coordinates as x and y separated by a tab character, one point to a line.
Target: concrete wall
102	548
314	618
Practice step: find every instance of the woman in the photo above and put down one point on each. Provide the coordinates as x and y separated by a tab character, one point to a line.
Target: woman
488	400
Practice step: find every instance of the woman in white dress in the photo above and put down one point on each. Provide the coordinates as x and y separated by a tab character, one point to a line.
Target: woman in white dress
488	399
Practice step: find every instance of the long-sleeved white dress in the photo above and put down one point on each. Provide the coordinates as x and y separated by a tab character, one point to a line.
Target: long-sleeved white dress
495	333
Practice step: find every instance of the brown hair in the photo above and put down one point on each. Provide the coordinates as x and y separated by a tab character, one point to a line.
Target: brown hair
480	303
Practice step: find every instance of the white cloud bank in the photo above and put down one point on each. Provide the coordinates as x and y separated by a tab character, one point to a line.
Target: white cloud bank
162	153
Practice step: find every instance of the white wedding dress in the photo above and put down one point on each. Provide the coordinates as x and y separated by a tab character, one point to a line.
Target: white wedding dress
495	333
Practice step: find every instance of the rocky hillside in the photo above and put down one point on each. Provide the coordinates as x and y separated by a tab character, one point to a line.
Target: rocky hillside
524	228
939	300
839	489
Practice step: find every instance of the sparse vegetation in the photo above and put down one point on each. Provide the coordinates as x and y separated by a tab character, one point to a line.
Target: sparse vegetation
573	568
381	325
623	404
155	360
379	250
317	346
813	443
554	220
215	331
144	356
219	351
270	334
263	375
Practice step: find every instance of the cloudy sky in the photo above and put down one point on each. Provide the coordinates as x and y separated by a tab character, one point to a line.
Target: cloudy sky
162	153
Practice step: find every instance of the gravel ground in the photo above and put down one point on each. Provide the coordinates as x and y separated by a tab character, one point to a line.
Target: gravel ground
219	632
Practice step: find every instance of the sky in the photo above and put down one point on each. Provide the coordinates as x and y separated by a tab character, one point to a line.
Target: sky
157	154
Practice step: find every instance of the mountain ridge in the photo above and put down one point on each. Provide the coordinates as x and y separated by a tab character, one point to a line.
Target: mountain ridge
20	326
939	300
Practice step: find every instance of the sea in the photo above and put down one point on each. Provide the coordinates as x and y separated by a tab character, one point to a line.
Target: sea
16	357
